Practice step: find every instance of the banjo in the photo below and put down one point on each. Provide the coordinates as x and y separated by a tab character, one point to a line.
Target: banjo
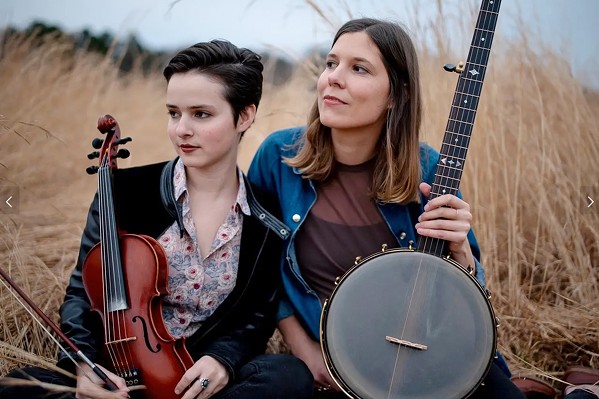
411	322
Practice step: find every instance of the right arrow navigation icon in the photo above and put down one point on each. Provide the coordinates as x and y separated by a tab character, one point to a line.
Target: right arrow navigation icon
591	202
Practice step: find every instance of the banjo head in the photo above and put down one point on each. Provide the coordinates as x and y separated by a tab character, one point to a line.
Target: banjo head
438	311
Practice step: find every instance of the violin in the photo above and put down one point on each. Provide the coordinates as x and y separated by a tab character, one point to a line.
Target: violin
126	278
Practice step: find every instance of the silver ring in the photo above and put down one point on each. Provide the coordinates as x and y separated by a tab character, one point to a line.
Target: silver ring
204	382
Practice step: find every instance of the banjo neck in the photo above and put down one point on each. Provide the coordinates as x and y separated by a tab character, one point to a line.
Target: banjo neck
456	139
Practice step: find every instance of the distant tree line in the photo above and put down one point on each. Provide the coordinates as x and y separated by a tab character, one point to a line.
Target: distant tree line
128	54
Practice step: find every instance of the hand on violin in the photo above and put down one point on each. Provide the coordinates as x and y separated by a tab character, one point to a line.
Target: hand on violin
447	217
205	368
90	386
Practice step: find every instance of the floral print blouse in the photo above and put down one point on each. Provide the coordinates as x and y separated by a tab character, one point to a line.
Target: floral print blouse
198	284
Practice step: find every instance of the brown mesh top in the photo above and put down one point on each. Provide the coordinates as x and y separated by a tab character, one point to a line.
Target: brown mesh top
343	223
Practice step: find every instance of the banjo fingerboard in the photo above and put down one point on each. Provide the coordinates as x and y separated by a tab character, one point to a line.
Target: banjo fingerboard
456	140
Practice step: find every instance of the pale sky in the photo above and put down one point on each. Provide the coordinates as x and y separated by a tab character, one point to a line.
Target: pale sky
570	26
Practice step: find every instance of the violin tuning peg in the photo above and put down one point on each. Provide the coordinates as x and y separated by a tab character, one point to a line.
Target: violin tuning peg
97	143
92	170
92	155
123	153
123	140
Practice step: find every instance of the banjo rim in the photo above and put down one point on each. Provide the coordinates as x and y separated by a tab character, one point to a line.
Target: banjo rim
332	369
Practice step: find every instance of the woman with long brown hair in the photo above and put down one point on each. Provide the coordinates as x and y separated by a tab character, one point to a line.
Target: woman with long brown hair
356	177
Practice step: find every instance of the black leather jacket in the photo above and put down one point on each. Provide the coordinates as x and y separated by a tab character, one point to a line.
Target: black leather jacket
241	326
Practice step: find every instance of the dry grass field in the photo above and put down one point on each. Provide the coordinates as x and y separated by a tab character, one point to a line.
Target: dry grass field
534	153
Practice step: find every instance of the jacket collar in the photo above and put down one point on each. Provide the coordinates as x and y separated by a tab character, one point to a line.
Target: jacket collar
174	208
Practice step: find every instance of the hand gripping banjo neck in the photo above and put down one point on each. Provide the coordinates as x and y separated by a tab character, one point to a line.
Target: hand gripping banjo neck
408	323
461	116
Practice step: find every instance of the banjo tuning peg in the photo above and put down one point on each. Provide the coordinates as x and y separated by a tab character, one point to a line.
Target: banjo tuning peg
454	68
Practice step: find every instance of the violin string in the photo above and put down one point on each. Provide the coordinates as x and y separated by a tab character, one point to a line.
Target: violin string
119	325
117	289
112	256
106	288
105	294
45	329
116	259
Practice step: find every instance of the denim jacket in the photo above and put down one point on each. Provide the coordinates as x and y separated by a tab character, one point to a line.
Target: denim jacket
297	196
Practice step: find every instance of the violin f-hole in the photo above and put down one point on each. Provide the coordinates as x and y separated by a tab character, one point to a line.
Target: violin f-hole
146	336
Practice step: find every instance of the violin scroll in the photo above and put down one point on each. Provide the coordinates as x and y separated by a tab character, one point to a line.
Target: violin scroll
106	123
108	152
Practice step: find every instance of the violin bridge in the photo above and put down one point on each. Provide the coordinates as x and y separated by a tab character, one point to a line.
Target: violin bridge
406	343
121	341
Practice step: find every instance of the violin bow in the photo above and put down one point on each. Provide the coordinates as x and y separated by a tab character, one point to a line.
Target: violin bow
97	370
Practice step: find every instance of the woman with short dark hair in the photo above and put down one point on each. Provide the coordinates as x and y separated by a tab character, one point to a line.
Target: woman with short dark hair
220	236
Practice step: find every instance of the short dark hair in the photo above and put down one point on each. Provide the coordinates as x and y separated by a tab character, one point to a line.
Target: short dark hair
238	69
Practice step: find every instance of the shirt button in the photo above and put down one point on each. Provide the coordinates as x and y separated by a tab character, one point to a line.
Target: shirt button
402	235
296	218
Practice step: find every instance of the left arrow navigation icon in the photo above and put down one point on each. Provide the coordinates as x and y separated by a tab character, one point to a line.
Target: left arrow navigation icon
9	197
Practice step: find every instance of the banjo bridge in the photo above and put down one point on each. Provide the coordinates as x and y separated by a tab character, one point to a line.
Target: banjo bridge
406	343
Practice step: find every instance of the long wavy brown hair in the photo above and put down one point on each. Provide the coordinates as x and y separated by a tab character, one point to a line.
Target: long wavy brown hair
397	167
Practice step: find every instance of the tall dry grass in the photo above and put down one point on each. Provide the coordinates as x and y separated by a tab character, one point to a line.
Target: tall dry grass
535	148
